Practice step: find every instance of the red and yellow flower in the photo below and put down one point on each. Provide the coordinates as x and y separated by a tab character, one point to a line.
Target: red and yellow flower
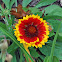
32	31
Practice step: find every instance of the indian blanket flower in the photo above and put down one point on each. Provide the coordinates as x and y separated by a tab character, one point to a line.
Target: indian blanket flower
32	31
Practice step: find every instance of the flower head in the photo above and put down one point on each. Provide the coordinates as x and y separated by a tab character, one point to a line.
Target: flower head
32	31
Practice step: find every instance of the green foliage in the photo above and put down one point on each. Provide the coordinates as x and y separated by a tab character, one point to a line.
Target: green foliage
49	9
6	3
14	57
1	33
52	17
51	33
3	25
44	3
0	60
32	50
21	55
39	13
25	2
55	59
47	49
11	3
32	9
12	47
60	30
39	60
46	59
25	9
6	11
55	13
54	23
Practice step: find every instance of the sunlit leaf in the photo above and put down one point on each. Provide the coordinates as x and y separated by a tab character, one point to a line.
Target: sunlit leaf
25	2
49	9
44	3
7	2
11	3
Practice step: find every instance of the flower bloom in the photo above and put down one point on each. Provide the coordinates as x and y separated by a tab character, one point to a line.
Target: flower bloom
32	31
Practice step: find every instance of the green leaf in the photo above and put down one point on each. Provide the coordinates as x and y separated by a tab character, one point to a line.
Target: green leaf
21	55
11	3
25	2
25	9
39	13
33	10
42	57
53	44
39	60
60	30
3	25
54	23
51	33
46	59
52	17
14	57
57	12
59	38
55	59
26	58
12	47
7	2
1	33
44	3
50	10
33	52
53	14
58	49
45	50
0	60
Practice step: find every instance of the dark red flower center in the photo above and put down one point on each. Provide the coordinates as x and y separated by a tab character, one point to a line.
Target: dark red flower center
32	29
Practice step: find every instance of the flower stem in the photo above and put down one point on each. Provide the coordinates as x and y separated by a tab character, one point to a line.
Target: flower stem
53	45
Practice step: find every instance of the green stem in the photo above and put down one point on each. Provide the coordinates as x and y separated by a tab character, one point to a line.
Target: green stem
21	53
6	22
16	4
53	45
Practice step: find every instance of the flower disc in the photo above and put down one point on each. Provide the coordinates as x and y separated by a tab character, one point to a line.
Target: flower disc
32	31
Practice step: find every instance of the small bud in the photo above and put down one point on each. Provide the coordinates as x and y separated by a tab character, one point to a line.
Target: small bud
8	41
3	45
8	57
